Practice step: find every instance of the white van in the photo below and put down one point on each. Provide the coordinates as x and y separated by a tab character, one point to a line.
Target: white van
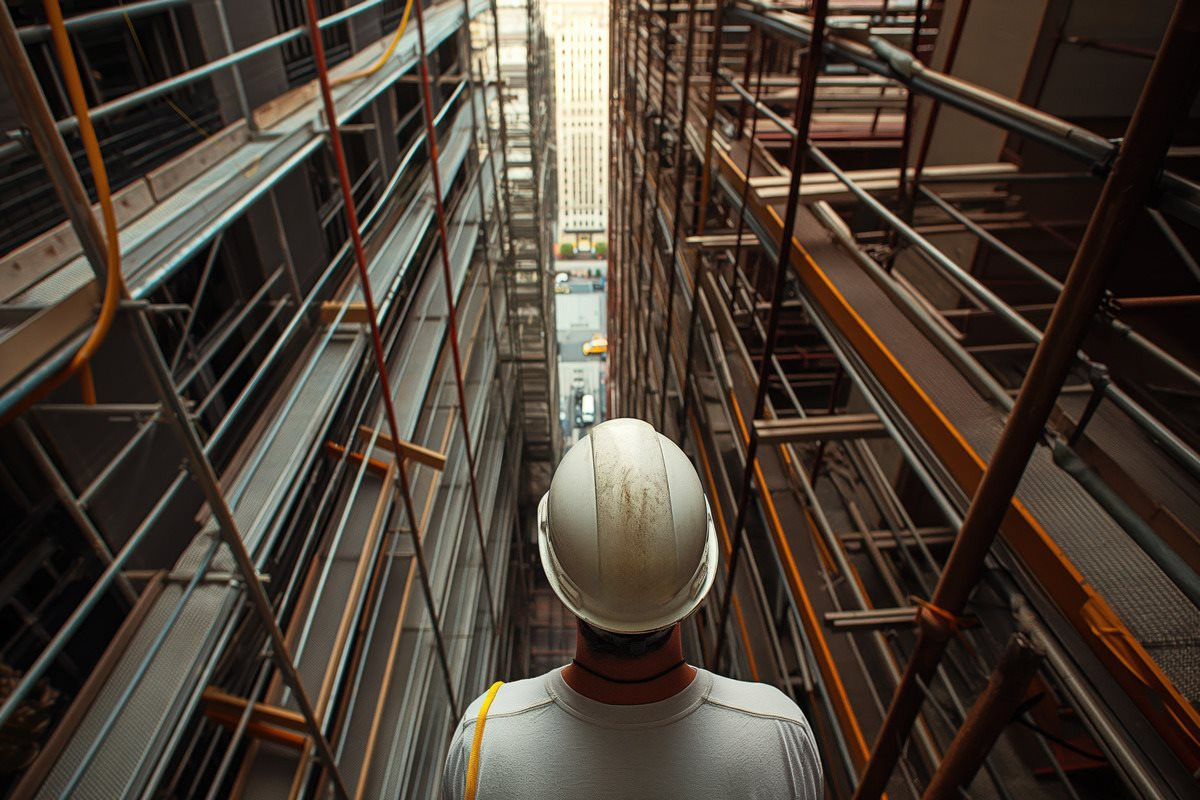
587	410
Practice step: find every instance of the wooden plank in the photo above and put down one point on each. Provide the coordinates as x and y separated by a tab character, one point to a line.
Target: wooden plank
215	700
375	466
172	176
43	333
262	731
267	722
413	452
271	112
356	313
33	261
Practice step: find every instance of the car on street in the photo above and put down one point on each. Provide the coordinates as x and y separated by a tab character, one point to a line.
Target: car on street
596	346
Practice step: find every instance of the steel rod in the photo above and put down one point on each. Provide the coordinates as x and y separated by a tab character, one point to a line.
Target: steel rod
72	505
986	720
764	52
677	218
714	71
960	21
189	77
972	286
647	251
97	19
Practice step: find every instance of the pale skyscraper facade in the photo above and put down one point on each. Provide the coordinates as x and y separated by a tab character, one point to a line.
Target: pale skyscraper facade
578	32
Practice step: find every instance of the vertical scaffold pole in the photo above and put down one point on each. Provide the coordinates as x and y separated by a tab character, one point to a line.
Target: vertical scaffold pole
804	106
677	220
385	385
431	147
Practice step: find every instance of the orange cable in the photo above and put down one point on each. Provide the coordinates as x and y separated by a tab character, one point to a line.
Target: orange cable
114	287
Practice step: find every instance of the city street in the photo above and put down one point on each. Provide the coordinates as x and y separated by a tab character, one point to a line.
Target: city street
580	315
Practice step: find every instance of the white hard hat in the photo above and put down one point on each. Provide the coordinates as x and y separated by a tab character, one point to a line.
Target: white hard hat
625	532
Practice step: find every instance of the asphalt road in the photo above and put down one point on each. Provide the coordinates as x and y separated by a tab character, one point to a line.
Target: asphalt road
570	344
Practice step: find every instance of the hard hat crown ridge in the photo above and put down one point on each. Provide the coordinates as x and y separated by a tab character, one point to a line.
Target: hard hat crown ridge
625	533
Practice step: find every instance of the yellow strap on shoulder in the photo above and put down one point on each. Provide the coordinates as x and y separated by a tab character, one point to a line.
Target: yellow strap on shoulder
477	742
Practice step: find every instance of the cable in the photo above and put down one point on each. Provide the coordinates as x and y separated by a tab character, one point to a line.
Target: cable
249	171
137	43
114	285
383	59
1061	742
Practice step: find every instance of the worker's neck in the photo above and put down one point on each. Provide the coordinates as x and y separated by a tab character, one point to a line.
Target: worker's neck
673	676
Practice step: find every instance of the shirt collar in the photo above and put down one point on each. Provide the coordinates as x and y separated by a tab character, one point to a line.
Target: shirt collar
661	712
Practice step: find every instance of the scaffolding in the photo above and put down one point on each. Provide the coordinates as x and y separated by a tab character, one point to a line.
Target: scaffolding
265	583
837	319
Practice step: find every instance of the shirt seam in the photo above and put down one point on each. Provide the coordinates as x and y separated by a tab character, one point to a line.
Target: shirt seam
503	714
803	723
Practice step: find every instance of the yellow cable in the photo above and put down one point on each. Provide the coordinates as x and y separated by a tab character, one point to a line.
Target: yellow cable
137	42
477	740
114	288
383	59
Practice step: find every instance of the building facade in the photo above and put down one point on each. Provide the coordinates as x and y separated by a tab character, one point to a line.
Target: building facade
578	30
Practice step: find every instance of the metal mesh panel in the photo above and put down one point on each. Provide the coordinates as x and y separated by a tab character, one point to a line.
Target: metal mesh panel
132	737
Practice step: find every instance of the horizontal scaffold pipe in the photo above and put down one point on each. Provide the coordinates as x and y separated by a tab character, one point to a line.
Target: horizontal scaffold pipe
98	19
156	90
1170	442
1181	196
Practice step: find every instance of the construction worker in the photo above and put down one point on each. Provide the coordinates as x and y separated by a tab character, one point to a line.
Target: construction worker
628	544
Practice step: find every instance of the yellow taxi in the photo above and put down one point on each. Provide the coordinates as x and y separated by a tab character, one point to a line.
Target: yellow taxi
598	346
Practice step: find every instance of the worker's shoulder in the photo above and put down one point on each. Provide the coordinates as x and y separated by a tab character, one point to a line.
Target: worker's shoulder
511	699
754	699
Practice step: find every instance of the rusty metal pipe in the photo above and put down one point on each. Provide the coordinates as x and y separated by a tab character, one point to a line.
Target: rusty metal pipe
987	719
714	71
927	134
804	108
1167	92
677	219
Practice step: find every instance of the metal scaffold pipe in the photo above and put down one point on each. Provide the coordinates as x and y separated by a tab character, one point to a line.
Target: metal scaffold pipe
804	109
69	186
1166	95
969	283
677	218
385	384
987	719
431	146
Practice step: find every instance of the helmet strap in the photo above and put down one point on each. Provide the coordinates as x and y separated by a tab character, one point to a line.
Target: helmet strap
611	679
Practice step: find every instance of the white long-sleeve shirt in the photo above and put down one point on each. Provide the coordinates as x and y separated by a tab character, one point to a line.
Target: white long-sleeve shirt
718	738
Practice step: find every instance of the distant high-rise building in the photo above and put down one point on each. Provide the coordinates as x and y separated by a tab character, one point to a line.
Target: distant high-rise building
578	30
